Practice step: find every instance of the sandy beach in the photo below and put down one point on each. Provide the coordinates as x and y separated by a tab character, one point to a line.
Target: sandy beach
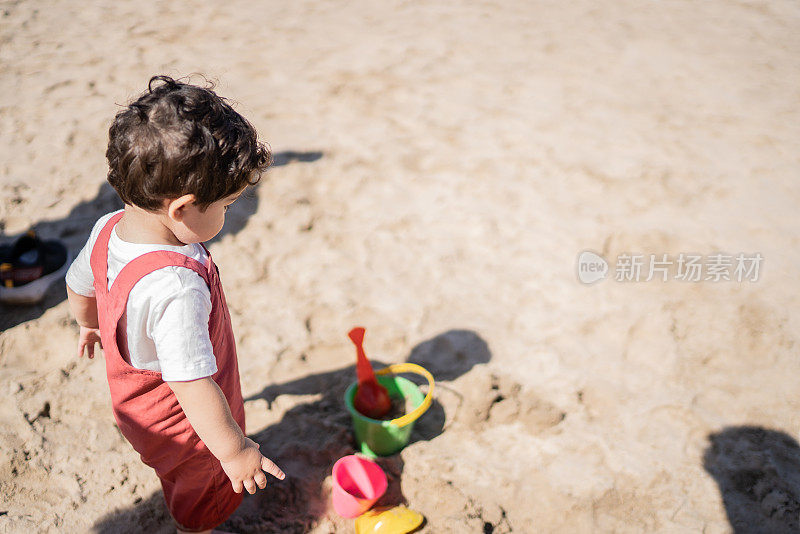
439	167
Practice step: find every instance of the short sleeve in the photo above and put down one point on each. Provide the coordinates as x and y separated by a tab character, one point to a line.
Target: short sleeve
179	329
79	277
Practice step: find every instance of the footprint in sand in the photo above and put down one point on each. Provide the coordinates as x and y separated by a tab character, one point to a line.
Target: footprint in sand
491	399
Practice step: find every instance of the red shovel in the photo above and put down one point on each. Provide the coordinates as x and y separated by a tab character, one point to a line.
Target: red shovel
372	399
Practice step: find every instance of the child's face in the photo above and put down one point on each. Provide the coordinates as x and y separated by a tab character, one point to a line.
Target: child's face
196	226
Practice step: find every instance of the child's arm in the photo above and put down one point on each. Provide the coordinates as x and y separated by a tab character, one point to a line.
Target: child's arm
209	414
85	311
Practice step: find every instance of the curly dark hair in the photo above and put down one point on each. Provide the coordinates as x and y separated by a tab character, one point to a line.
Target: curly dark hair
179	139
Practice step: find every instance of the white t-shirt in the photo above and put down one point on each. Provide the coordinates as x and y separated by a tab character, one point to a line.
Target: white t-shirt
167	312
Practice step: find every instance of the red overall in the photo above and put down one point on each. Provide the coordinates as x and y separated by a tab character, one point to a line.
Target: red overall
198	493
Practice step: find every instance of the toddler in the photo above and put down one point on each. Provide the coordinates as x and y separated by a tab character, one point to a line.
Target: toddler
145	286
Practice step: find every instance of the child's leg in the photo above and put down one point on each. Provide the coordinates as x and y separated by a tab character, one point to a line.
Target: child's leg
198	494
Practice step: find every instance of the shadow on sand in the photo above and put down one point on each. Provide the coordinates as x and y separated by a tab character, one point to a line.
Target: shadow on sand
758	474
309	438
74	229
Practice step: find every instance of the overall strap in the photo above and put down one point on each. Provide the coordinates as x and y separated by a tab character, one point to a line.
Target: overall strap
143	265
99	257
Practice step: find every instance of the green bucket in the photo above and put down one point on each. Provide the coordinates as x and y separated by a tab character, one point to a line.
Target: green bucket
384	438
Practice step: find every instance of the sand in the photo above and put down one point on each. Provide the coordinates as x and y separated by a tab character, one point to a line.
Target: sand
440	166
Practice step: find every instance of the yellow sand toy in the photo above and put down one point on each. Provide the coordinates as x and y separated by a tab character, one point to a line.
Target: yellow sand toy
388	520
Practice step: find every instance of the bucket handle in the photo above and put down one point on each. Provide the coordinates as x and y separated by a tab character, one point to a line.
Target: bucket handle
426	402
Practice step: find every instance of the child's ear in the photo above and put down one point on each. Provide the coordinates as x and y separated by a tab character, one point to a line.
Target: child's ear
176	209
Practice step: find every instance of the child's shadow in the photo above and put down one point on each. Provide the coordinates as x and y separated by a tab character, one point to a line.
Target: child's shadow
240	211
311	436
74	229
758	474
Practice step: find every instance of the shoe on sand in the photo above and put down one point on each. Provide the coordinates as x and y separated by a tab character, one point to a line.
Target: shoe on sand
29	266
388	520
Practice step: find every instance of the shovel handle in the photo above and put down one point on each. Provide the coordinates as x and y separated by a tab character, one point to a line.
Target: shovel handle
426	402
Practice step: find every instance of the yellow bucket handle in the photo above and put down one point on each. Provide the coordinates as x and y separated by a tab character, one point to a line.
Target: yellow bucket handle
426	402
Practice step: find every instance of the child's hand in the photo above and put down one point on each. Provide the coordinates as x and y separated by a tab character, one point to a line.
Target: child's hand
247	468
88	337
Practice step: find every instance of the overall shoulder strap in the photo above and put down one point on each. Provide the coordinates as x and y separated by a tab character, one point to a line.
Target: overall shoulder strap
145	264
99	257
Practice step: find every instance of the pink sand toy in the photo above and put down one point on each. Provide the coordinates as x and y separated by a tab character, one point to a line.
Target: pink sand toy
357	484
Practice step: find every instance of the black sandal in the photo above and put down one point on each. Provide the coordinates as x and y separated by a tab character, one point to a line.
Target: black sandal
29	266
